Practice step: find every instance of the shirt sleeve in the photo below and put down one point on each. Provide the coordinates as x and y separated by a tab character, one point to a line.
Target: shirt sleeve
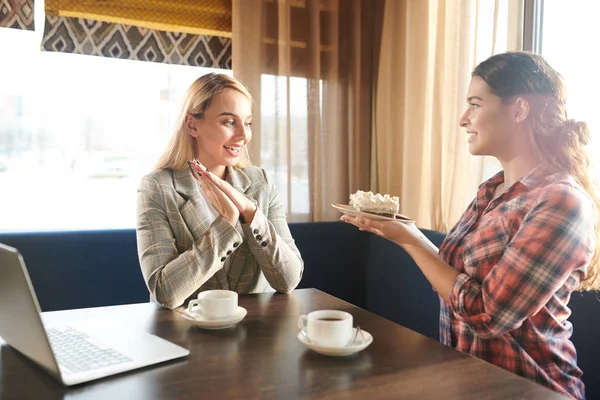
554	243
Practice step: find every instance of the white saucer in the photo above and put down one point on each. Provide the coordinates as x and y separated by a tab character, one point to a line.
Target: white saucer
349	210
339	351
220	323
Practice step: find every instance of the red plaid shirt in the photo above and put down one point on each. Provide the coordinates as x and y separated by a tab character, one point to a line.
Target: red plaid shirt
520	257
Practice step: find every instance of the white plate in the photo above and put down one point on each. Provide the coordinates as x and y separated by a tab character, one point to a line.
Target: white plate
220	323
360	345
349	210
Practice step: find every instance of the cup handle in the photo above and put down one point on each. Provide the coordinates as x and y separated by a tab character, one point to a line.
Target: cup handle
192	304
302	322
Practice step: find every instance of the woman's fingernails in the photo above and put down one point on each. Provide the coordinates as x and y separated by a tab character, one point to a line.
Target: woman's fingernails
189	162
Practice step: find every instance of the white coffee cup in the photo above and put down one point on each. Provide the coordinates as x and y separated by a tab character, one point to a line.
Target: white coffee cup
331	328
214	304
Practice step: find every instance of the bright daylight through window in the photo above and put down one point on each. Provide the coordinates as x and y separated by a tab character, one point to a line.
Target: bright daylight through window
78	132
569	29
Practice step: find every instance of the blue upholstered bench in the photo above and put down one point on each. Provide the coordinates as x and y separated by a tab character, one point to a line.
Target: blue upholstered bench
99	268
77	269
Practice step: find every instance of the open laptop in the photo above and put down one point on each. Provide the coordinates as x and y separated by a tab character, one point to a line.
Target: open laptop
76	353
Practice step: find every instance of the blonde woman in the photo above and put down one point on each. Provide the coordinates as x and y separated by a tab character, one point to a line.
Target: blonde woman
206	219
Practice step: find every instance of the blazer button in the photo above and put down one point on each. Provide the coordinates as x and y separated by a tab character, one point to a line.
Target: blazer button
258	237
223	259
229	252
236	244
255	231
264	244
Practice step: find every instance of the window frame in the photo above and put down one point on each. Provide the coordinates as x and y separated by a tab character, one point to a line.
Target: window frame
533	24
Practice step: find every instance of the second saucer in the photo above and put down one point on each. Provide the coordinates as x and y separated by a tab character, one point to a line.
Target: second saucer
352	348
220	323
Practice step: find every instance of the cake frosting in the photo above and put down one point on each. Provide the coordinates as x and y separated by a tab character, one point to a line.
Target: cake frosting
375	203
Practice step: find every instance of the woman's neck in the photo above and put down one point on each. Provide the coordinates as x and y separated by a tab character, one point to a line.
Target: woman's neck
516	168
519	158
218	170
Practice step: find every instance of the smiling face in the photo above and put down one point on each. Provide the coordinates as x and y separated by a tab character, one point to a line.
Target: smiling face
222	131
492	125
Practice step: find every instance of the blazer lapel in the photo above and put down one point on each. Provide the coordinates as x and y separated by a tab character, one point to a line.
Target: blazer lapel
238	179
189	188
185	184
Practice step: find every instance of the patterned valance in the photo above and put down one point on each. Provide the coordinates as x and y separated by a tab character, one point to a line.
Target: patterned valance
17	14
186	32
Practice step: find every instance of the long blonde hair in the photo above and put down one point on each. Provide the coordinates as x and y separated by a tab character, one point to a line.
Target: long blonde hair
198	98
559	142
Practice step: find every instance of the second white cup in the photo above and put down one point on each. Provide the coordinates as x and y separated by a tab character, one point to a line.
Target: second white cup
214	304
331	328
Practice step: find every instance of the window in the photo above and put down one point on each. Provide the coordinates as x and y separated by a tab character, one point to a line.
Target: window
567	29
284	153
77	132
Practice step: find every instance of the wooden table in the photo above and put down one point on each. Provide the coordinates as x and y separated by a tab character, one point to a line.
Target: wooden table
261	357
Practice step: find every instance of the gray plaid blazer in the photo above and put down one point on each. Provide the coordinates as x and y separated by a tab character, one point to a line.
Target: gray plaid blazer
182	250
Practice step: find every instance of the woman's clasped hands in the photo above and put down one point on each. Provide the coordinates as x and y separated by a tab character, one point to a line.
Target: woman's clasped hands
227	200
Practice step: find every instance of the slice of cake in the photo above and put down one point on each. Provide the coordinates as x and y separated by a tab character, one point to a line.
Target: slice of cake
375	203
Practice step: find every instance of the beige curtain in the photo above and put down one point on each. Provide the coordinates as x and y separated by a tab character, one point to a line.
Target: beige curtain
428	50
310	65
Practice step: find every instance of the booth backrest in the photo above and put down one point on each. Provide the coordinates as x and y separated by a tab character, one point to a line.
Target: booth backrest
335	258
585	317
77	269
396	288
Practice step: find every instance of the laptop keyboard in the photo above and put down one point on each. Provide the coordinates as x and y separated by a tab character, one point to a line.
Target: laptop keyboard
77	352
